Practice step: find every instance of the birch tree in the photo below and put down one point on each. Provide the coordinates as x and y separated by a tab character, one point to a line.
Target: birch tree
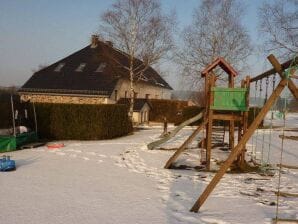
140	29
216	31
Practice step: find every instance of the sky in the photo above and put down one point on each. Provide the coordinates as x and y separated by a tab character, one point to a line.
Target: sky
40	32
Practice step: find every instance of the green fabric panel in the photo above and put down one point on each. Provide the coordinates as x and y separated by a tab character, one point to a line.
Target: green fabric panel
233	99
25	138
7	143
11	143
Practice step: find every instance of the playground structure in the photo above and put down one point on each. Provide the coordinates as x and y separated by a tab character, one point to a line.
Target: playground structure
235	104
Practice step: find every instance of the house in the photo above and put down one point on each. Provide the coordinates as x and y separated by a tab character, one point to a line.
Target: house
141	109
92	76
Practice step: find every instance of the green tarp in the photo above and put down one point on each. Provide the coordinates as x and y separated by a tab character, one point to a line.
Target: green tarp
233	99
11	143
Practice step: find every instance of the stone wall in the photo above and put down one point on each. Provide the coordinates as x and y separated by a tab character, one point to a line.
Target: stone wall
39	98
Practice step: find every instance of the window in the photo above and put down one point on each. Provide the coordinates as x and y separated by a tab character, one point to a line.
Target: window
147	96
101	67
116	95
81	67
59	67
125	94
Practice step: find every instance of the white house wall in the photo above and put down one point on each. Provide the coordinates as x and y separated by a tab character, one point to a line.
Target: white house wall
142	89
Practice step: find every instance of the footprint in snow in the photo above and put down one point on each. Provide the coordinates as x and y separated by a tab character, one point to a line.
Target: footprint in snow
103	156
60	153
91	153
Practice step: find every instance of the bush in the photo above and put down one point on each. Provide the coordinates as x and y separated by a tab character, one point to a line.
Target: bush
82	122
171	109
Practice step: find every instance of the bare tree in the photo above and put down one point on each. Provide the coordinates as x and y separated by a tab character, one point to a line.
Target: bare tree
216	30
278	23
139	28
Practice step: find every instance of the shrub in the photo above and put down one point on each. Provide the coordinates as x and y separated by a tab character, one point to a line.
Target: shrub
82	122
171	109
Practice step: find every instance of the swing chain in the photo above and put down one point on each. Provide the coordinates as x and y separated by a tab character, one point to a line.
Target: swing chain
273	81
267	84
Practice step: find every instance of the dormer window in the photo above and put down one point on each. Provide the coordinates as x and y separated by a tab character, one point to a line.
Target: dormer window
59	67
101	67
81	67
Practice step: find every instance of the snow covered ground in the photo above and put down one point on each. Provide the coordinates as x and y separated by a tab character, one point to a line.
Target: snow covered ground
120	181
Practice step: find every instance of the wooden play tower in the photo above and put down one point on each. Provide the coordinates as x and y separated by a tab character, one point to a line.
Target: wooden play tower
222	104
231	104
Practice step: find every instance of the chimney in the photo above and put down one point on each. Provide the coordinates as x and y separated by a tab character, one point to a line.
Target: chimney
94	41
109	43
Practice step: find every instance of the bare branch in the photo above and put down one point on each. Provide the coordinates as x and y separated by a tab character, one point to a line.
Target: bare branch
279	25
216	30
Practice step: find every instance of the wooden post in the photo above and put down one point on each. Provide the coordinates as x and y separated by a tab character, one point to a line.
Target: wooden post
276	93
210	122
183	146
232	122
35	119
13	118
245	119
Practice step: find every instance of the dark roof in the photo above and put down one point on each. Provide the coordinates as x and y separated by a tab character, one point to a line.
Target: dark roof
221	62
88	81
138	103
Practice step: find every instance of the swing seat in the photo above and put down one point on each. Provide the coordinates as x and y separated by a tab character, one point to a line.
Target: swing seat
7	165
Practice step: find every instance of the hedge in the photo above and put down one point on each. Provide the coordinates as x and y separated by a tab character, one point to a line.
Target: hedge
82	122
171	109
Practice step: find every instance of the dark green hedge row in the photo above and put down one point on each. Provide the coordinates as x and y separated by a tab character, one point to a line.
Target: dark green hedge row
171	109
82	122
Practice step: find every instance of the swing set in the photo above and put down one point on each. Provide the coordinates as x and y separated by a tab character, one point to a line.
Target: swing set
232	104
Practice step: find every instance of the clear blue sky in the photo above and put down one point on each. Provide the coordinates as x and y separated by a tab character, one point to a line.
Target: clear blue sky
34	32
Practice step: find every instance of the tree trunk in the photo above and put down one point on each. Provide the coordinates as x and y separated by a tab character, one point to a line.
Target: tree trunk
131	75
154	144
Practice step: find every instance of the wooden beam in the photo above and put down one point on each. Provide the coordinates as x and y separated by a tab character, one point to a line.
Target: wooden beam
227	117
235	152
284	221
279	69
210	123
272	71
186	143
286	194
288	166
